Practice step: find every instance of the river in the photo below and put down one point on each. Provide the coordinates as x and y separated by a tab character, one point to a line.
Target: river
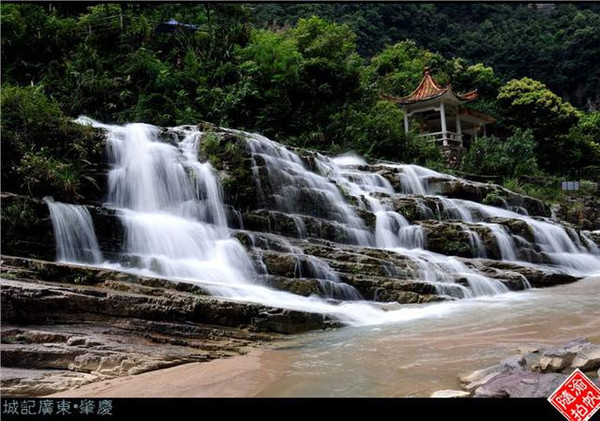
425	355
404	359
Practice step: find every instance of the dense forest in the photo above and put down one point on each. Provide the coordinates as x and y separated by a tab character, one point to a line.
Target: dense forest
308	75
556	42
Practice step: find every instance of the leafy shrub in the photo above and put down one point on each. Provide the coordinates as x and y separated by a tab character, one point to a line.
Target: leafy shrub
43	152
512	157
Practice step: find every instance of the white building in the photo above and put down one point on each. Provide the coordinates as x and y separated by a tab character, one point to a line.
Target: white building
441	113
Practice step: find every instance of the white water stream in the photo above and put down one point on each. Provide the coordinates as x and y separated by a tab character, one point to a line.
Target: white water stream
172	210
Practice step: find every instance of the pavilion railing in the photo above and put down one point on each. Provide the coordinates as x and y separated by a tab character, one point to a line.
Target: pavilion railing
446	137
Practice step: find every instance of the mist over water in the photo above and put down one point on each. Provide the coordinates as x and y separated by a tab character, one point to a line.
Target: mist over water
171	207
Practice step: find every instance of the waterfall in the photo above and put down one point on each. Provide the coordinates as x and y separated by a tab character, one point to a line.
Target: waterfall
74	233
172	210
504	241
393	231
551	239
298	190
173	213
476	244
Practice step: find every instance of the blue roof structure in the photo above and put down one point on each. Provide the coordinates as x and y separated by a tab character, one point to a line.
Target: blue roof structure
172	25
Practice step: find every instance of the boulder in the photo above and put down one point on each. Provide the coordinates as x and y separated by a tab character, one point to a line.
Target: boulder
476	379
536	373
520	385
587	359
558	358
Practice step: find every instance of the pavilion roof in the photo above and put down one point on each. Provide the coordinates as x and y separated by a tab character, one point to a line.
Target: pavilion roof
430	89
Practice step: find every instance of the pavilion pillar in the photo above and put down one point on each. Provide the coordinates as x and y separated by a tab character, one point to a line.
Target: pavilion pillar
458	127
444	127
406	122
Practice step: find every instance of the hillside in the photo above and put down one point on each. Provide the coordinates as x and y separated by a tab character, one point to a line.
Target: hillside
557	41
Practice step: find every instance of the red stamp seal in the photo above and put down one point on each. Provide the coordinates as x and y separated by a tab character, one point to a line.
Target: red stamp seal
577	398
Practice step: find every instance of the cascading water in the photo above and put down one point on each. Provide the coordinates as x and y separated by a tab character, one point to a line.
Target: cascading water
552	239
174	219
172	211
74	233
298	190
393	231
171	208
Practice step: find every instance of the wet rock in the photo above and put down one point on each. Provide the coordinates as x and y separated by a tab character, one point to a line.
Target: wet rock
537	276
27	228
290	321
447	238
417	207
489	194
587	359
228	153
520	385
593	236
294	226
536	373
304	287
282	264
473	381
516	227
99	322
558	358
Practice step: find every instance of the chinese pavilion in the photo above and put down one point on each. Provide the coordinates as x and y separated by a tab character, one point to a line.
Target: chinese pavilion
441	113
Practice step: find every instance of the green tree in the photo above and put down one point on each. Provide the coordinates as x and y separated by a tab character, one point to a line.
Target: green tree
530	104
399	68
512	157
580	148
527	103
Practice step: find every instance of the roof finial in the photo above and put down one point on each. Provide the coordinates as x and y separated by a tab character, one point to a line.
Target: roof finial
426	70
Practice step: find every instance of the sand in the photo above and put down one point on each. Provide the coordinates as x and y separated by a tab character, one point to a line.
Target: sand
235	376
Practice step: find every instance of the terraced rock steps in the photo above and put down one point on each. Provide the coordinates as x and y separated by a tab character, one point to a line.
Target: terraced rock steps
66	325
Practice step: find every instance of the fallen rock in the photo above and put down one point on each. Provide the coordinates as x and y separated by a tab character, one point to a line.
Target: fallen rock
536	373
558	358
521	384
588	359
478	378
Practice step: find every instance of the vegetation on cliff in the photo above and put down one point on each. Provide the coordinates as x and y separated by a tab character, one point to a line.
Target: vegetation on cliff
315	83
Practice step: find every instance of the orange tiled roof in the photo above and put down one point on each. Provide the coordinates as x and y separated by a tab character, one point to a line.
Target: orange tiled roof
429	89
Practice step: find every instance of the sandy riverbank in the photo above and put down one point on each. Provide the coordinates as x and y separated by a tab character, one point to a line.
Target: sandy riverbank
235	376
